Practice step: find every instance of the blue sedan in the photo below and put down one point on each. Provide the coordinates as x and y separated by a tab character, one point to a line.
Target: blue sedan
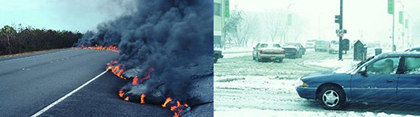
386	78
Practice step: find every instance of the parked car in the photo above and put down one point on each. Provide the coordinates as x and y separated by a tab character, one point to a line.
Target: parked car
416	49
386	78
333	47
310	44
299	46
268	51
217	55
321	45
292	51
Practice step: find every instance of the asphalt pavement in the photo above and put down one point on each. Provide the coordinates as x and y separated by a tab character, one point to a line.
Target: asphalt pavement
29	83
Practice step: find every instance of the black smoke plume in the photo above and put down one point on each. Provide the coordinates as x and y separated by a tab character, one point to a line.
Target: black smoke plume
175	37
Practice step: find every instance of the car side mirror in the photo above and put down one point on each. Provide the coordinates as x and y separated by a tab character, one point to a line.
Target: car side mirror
253	48
362	71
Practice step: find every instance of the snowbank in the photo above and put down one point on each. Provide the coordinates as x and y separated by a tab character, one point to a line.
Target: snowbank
243	112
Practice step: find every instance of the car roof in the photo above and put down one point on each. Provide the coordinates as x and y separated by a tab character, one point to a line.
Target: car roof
290	46
415	48
397	54
293	44
267	43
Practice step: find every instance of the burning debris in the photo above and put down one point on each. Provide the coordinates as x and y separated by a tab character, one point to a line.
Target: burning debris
156	98
111	48
166	52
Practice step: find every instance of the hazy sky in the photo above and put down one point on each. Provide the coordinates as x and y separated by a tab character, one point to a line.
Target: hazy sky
364	19
74	15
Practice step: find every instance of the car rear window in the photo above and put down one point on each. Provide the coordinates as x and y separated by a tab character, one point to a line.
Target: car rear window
276	46
264	45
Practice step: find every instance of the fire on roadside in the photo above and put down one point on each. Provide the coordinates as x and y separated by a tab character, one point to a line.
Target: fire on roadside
118	68
111	48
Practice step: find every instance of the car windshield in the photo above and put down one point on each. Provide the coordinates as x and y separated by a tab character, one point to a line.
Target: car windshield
363	62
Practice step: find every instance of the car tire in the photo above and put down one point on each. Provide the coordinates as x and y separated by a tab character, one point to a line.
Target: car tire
331	97
280	60
259	59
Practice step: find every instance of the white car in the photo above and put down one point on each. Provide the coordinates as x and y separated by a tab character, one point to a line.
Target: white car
268	51
333	47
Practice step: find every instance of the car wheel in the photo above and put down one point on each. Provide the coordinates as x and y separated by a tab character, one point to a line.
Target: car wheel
259	59
253	57
331	97
280	60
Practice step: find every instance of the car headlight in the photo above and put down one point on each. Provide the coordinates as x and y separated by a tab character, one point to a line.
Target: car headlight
301	83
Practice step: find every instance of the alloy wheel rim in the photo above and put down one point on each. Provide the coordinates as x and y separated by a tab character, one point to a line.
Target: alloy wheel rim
330	98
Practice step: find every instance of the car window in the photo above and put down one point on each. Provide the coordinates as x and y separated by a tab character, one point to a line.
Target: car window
264	45
276	46
412	65
384	66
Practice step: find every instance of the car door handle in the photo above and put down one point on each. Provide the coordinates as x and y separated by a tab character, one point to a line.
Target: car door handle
390	81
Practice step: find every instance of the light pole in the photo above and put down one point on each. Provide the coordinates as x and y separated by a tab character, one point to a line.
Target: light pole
340	40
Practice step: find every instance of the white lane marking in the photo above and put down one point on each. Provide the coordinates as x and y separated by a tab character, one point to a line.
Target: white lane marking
67	95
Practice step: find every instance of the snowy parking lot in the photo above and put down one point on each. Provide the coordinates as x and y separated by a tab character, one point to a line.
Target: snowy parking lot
244	87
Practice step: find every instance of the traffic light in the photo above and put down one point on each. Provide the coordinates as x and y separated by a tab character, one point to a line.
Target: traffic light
390	6
401	18
226	9
338	19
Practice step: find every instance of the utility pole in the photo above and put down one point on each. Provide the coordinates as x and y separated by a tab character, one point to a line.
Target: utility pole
340	50
340	32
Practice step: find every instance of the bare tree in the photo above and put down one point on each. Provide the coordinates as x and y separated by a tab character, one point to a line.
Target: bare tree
275	25
244	30
239	27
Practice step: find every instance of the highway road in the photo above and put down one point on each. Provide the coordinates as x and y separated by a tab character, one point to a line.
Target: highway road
30	83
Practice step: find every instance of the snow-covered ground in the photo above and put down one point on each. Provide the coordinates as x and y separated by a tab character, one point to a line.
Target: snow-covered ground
236	52
244	87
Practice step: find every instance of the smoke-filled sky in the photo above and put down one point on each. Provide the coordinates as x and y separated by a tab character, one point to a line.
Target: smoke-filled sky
74	15
364	19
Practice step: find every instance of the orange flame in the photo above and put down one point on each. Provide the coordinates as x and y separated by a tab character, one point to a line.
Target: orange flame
135	81
166	102
116	68
178	104
126	99
121	93
177	114
119	73
142	98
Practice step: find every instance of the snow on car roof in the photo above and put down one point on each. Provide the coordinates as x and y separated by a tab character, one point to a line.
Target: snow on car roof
399	54
289	46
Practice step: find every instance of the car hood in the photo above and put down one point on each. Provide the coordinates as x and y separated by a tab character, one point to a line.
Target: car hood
322	74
